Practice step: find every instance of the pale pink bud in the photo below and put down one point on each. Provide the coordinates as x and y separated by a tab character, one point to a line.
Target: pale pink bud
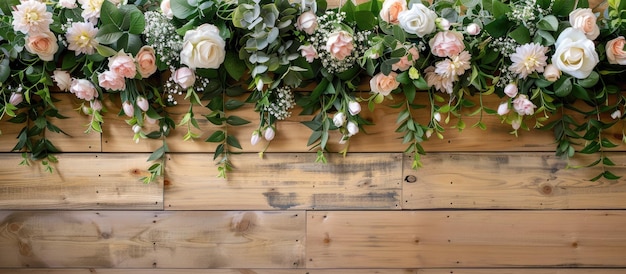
354	107
473	29
269	134
552	73
442	23
16	98
437	117
503	108
511	90
429	132
616	114
184	77
352	128
128	108
256	137
142	103
339	119
516	124
96	105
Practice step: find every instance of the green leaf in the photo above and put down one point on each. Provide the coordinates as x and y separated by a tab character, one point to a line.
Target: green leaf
500	9
563	7
233	104
110	15
590	81
499	27
236	120
233	142
5	70
217	137
157	154
563	87
108	34
549	23
183	10
365	20
234	66
137	22
521	35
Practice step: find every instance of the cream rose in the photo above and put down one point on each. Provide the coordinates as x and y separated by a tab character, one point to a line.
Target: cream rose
384	84
63	79
203	47
340	45
575	54
419	20
391	9
111	80
122	64
551	73
146	61
44	44
615	51
447	44
184	77
83	89
307	22
585	21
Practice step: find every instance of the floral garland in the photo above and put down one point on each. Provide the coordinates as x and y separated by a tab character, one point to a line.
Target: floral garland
541	57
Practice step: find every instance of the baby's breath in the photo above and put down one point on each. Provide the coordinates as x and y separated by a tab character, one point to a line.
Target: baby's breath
161	34
282	101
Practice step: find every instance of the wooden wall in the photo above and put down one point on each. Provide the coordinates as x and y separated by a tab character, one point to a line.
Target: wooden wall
484	202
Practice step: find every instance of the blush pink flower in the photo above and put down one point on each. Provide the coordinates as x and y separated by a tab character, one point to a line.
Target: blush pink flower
405	63
184	77
146	61
447	44
453	67
391	9
31	17
308	52
440	83
307	22
122	64
83	89
81	38
615	52
340	45
91	9
111	80
384	84
523	106
44	44
527	59
63	79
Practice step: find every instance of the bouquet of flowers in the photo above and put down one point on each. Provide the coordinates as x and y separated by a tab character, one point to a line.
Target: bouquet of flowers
547	60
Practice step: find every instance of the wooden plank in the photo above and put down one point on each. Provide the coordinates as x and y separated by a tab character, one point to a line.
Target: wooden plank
158	239
318	271
75	125
285	181
8	134
481	239
510	181
79	181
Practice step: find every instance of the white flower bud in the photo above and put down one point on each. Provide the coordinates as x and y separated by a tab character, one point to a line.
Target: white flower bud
442	23
128	108
473	29
269	134
339	119
616	114
16	98
142	103
511	90
256	137
437	116
136	129
503	109
354	107
516	124
353	128
96	105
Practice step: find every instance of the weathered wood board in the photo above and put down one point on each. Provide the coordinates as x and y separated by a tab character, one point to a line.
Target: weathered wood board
283	181
145	239
75	139
510	180
79	181
318	271
428	239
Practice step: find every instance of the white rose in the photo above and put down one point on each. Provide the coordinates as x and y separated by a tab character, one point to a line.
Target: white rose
418	20
575	54
166	9
63	79
68	4
203	47
585	21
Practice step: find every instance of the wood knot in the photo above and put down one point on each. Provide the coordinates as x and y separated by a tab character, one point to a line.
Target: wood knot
105	235
327	239
243	222
167	182
410	179
15	227
546	189
25	249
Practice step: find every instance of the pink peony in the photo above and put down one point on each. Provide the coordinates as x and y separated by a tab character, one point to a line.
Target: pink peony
111	80
523	106
83	89
123	65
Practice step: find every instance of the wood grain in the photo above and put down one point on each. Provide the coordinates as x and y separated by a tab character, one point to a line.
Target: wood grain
318	271
79	181
144	239
510	181
9	132
427	239
74	126
285	181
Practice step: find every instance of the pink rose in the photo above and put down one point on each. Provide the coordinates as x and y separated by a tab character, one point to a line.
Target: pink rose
384	84
523	106
96	105
391	9
404	62
184	77
447	44
83	89
307	22
63	79
308	52
339	45
44	44
615	51
123	65
585	21
146	61
111	80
